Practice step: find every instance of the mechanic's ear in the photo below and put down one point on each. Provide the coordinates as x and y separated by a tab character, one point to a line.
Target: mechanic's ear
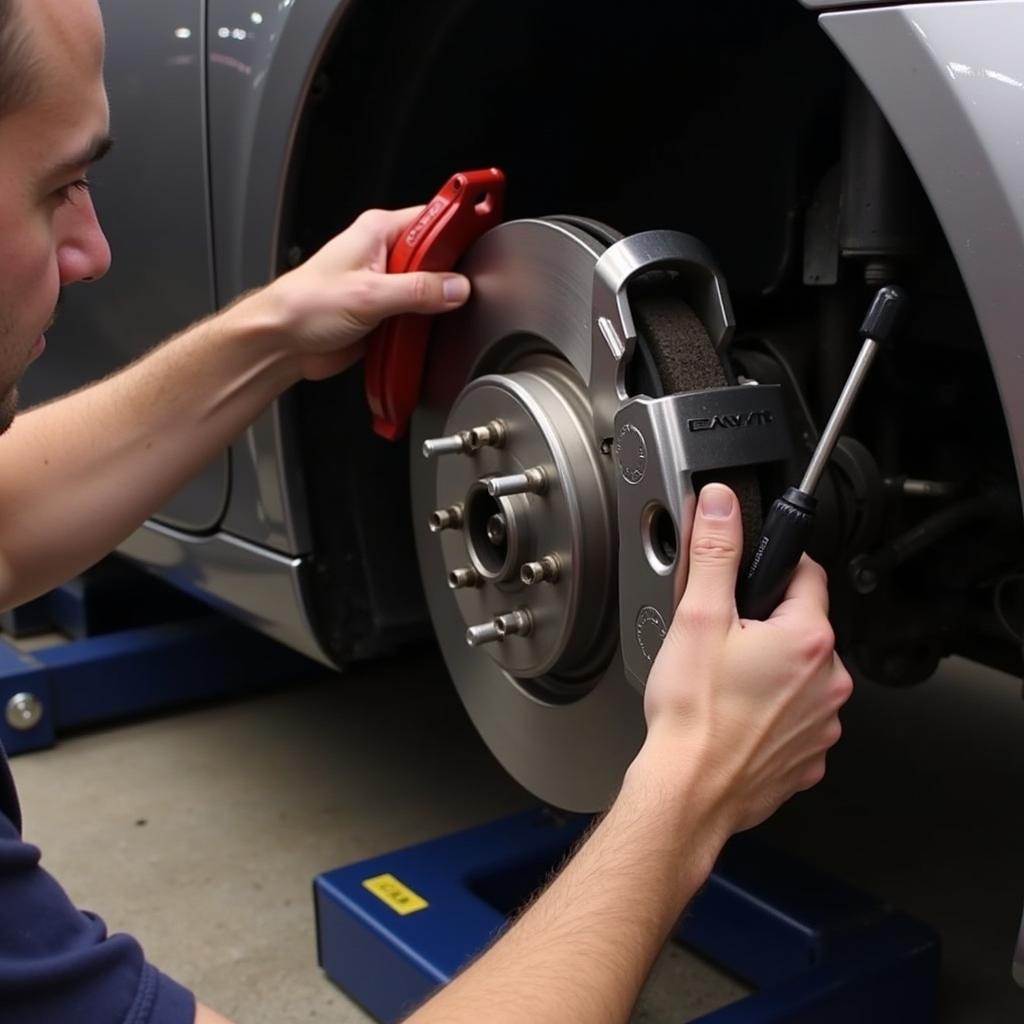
716	545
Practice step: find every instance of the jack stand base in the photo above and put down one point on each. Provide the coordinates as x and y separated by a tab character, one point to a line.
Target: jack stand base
136	647
393	929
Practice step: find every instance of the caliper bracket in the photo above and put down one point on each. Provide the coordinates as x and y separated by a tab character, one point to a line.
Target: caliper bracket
659	444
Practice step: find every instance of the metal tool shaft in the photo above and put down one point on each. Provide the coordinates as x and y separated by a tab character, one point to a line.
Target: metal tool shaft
836	422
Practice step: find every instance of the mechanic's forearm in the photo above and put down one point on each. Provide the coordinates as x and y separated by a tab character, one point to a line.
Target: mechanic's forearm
582	952
78	475
204	1015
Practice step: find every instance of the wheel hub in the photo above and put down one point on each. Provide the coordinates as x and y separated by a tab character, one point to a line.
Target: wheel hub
546	454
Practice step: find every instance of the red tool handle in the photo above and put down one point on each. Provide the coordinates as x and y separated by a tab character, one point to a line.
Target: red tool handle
468	205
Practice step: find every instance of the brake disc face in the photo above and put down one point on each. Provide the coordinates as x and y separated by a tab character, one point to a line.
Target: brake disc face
515	512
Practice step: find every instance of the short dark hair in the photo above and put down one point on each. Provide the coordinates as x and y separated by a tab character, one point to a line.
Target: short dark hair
18	81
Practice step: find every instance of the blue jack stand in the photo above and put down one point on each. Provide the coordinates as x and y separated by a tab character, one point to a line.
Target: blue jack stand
136	647
393	929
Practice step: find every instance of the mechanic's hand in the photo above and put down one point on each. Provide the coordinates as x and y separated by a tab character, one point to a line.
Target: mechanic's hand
749	708
331	302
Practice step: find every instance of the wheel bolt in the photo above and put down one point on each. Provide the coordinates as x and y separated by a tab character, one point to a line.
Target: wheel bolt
533	481
546	570
497	529
455	444
459	579
491	436
517	623
446	519
485	633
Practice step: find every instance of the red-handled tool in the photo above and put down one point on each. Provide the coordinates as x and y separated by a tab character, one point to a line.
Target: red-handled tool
468	205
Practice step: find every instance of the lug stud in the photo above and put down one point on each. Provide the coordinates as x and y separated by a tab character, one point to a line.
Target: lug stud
497	529
546	570
485	633
455	444
533	481
491	436
446	519
517	623
459	579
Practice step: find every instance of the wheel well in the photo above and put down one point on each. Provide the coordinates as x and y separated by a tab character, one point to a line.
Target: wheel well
722	120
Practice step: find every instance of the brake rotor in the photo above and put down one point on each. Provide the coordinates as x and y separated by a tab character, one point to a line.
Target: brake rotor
531	495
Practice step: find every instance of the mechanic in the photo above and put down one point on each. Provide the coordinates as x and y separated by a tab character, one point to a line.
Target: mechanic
740	713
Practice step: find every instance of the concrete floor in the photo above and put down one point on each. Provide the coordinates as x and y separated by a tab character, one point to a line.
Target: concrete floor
200	832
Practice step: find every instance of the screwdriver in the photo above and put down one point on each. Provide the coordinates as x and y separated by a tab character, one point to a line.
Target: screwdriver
790	522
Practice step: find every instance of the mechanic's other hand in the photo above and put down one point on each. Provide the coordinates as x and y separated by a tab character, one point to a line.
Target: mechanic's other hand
330	303
748	708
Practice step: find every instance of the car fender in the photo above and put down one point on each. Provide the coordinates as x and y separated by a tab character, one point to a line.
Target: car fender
949	78
261	59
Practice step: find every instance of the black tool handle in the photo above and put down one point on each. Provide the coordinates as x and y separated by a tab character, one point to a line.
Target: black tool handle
886	315
787	529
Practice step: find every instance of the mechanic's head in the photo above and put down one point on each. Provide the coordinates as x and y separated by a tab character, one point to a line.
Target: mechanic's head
54	123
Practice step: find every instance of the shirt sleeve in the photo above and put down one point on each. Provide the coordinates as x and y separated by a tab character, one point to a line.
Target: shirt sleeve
58	965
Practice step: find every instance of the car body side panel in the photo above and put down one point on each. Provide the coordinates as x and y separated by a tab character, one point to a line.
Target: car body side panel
950	79
262	56
153	202
256	586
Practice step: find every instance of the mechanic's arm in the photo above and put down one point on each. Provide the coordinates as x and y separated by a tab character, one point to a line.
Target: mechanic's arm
740	714
79	475
204	1015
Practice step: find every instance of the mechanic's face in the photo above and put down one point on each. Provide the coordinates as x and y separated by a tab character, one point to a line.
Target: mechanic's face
49	235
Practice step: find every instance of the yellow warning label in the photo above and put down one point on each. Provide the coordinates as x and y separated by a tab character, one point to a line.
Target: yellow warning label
400	898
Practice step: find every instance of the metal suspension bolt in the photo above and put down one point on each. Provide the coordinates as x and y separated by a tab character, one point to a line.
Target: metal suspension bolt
446	519
497	529
517	623
459	579
545	570
485	633
533	481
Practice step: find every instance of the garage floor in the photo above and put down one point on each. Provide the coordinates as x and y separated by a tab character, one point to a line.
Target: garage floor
200	832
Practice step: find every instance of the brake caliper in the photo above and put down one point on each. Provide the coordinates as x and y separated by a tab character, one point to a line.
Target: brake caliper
660	443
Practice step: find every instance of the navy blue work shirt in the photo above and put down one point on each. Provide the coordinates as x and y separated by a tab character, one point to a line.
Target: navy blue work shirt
57	964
